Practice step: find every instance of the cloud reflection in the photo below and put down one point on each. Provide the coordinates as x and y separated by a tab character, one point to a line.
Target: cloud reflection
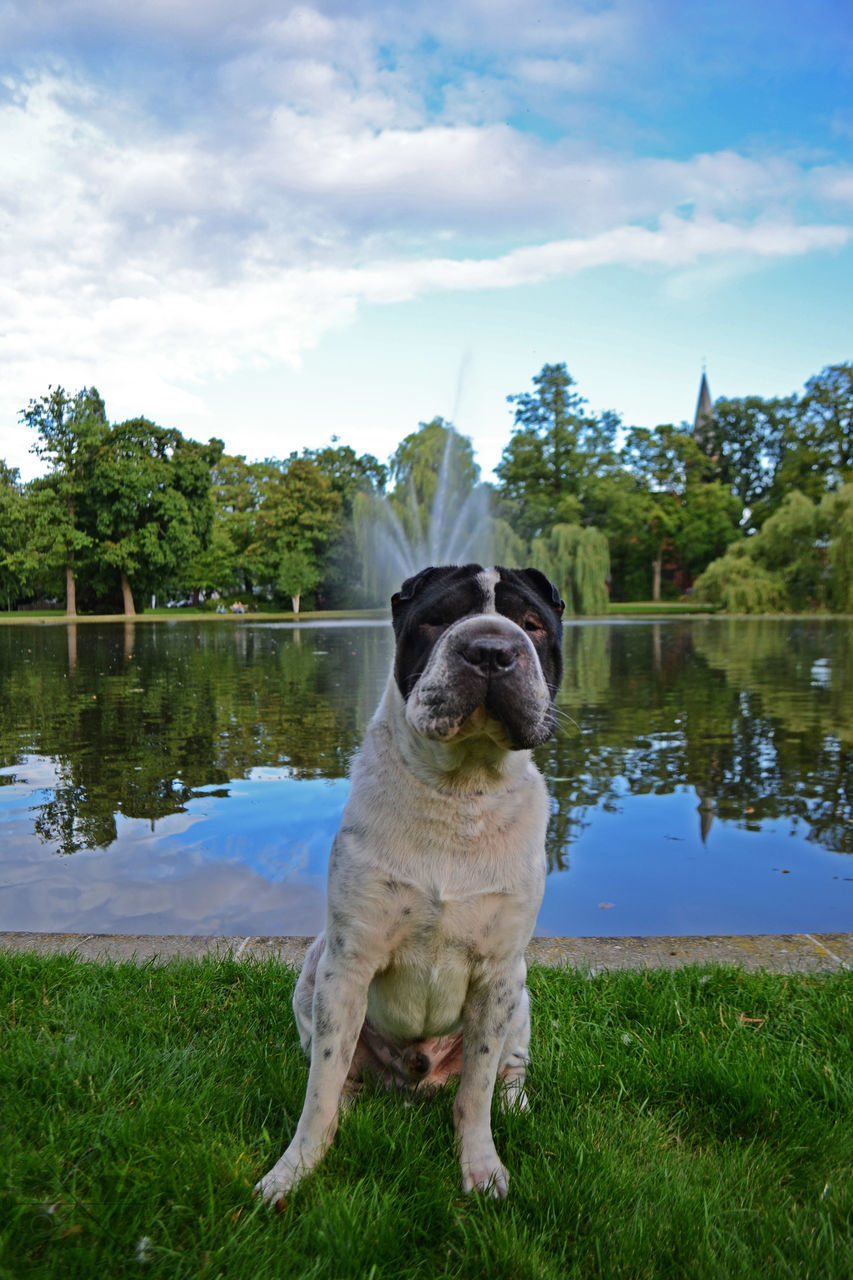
254	864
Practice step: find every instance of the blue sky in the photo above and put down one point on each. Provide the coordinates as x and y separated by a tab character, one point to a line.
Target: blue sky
278	223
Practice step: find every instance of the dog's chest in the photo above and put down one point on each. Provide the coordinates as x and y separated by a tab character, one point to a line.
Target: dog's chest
436	945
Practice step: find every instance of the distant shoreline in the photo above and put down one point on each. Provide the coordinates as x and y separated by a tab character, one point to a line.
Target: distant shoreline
641	610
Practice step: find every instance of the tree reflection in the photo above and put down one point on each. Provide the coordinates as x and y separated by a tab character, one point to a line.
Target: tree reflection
756	716
137	724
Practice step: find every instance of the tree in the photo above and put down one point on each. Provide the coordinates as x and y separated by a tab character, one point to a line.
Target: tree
13	535
434	472
577	561
70	430
740	584
826	419
351	475
837	517
299	511
680	514
657	459
746	441
297	573
553	454
150	504
348	472
237	494
784	565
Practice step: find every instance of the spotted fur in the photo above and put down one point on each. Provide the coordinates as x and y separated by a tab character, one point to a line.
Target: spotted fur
438	869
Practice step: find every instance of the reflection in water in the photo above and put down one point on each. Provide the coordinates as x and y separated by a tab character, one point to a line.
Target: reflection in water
701	780
730	707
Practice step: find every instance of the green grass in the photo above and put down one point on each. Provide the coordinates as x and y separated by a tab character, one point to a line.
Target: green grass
651	608
689	1124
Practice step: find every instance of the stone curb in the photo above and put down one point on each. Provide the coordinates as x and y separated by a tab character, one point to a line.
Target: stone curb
777	953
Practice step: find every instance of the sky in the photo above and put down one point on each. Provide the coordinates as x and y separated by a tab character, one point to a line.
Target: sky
280	224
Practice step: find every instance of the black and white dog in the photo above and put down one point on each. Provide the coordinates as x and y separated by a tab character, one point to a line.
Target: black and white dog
438	869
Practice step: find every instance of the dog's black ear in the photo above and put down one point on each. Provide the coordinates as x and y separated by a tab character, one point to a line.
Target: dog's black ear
413	585
407	593
545	588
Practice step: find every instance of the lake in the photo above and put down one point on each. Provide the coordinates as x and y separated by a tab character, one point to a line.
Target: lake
185	777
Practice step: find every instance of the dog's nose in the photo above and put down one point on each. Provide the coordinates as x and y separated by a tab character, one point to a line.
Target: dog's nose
492	655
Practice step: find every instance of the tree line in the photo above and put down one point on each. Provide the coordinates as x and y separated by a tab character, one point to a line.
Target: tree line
753	503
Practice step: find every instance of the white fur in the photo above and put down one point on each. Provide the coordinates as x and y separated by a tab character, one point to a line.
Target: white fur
435	880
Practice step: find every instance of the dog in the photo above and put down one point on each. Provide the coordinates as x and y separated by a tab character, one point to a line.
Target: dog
438	869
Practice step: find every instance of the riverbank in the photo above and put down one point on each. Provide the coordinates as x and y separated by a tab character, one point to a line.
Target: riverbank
774	953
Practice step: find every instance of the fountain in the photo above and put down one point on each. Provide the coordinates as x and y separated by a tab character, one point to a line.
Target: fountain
444	518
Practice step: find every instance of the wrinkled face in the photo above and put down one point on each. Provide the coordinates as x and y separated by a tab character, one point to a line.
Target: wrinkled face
479	649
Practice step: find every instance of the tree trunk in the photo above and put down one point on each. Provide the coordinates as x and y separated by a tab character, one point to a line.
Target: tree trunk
294	600
656	570
70	583
127	596
70	591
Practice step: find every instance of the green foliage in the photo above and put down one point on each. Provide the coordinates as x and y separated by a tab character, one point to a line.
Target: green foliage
69	430
433	471
508	547
827	416
837	513
294	509
14	566
554	452
149	504
740	584
298	572
801	558
140	505
592	568
352	476
677	514
745	442
577	561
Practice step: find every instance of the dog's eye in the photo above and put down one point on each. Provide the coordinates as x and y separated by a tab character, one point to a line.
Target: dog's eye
433	622
532	623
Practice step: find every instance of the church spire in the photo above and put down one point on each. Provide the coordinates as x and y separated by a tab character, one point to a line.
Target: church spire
703	423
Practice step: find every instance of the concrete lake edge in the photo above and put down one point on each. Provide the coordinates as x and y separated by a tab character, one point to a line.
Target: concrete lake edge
775	953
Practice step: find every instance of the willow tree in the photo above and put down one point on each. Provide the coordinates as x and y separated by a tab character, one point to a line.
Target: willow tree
788	564
554	554
837	514
577	560
740	584
592	569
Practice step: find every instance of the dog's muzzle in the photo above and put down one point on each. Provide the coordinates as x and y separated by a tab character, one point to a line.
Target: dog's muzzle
483	663
490	655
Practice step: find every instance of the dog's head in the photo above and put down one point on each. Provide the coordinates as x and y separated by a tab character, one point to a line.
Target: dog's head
479	650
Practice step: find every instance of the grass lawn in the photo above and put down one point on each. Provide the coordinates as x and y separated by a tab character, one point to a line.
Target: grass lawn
688	1124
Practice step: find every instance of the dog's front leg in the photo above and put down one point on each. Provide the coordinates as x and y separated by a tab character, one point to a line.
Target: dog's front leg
339	1006
489	1006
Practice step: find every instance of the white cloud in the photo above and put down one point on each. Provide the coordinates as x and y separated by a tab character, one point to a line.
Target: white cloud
327	157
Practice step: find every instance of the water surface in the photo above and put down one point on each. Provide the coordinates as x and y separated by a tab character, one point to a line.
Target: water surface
183	777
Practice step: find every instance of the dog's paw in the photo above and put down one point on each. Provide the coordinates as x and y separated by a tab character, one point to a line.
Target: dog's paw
483	1171
274	1186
